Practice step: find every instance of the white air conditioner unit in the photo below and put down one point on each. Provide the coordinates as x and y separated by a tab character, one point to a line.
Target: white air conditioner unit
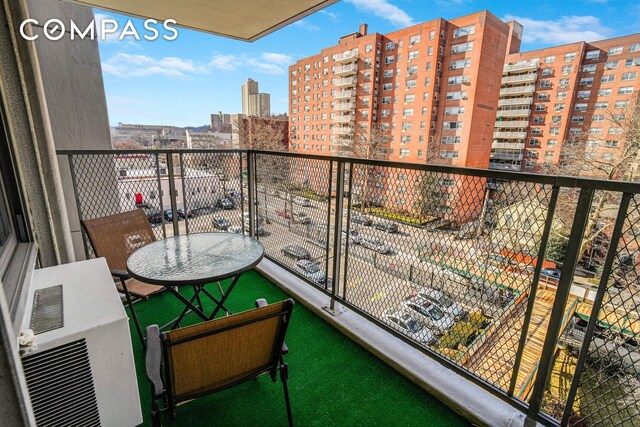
80	370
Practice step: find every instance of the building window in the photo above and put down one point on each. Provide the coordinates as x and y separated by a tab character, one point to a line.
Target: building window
577	119
597	118
561	95
452	111
462	63
592	54
534	142
556	119
411	70
615	51
407	112
567	69
430	51
457	95
552	142
591	68
386	100
586	81
554	131
410	84
387	86
615	131
386	74
547	72
462	47
622	104
629	76
538	119
464	31
457	80
564	82
595	131
609	78
536	131
604	92
584	94
389	59
543	97
611	143
413	55
452	125
632	62
581	107
558	107
549	59
545	84
626	90
390	46
540	107
448	154
601	105
451	140
410	97
611	65
568	57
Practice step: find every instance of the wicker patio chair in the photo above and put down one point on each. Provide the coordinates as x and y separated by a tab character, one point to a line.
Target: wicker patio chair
212	356
115	237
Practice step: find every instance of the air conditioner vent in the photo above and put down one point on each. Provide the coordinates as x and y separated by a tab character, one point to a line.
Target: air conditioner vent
61	388
47	313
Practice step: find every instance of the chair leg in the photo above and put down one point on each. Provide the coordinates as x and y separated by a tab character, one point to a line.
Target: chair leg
284	376
133	314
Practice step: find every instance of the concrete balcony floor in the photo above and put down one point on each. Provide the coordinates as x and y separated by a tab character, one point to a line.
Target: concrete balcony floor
333	381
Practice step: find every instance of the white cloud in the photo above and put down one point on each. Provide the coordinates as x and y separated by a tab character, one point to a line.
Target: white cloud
332	16
385	10
277	58
306	25
565	29
127	65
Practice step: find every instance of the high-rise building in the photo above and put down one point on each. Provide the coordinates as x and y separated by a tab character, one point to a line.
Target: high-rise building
564	94
432	86
255	104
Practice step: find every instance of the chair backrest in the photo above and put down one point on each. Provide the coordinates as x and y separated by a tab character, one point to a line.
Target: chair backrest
220	353
115	237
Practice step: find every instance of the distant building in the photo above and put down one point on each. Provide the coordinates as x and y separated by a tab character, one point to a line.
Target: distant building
208	139
220	121
254	103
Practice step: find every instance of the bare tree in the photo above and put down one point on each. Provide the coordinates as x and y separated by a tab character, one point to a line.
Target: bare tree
127	145
590	155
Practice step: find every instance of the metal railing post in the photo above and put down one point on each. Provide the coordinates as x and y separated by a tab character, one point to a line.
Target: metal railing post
534	288
337	241
242	192
348	230
251	184
159	182
172	194
597	304
572	257
328	235
184	196
85	242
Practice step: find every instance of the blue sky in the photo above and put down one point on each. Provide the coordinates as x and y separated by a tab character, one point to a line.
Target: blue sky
182	82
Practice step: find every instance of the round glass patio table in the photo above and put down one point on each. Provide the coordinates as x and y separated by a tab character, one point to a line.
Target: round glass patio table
195	260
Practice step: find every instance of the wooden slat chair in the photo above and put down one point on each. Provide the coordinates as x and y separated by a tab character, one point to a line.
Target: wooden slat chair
115	237
215	355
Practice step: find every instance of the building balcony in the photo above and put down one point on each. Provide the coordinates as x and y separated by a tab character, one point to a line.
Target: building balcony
518	90
346	57
489	282
504	166
510	135
507	156
523	78
518	68
514	112
508	145
348	82
515	101
350	106
512	124
346	70
344	118
342	130
345	94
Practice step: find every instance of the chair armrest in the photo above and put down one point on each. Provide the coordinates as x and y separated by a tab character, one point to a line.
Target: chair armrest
120	274
153	360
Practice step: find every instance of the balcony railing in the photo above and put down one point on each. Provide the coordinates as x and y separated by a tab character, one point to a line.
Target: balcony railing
504	166
514	112
345	94
347	70
509	145
510	135
346	57
342	130
348	82
518	90
344	107
512	123
528	66
344	118
470	251
515	101
524	78
507	156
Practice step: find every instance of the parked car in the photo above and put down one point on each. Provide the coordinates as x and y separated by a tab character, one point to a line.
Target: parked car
388	226
302	201
354	236
552	273
155	217
220	223
301	217
311	270
296	252
283	214
236	229
245	218
168	215
429	314
247	228
182	214
444	301
232	194
225	203
404	321
375	245
358	219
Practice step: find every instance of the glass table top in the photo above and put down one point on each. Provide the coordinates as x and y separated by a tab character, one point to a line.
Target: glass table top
195	258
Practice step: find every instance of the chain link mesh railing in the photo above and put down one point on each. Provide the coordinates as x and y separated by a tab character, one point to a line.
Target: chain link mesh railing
473	267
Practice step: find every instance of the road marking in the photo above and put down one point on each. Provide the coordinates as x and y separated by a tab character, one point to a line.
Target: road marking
377	296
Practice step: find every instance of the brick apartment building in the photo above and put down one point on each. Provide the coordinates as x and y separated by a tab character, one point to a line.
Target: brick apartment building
564	93
443	93
433	85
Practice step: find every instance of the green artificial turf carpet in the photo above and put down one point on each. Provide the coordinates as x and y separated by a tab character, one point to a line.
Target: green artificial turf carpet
332	380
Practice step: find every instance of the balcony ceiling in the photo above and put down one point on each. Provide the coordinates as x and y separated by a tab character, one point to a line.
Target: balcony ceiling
246	20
